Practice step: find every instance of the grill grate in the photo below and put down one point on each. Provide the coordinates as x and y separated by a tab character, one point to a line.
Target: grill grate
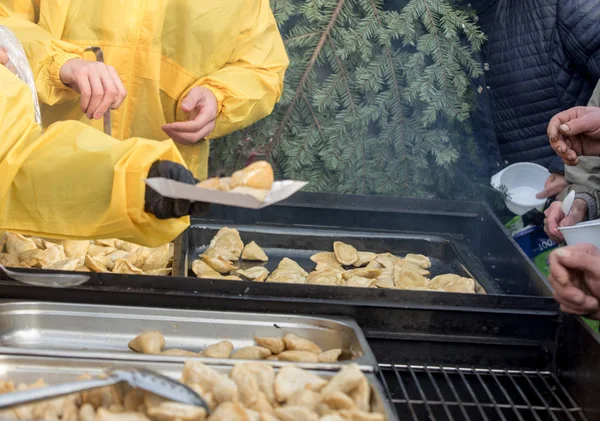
457	393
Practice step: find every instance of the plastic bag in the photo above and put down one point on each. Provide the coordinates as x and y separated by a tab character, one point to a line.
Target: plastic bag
18	60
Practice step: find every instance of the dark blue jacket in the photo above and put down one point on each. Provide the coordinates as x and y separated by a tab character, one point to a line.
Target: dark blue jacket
541	57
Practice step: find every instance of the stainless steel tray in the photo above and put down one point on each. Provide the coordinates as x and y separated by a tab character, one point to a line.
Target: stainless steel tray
103	332
21	369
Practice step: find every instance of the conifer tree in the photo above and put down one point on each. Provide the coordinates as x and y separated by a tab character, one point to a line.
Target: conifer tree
375	101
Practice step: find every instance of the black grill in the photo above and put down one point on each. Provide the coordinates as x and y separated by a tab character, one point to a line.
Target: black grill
459	393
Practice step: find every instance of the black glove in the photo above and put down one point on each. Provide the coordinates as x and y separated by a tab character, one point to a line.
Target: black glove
165	208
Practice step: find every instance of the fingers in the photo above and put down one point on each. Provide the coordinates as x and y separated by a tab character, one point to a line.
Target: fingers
554	216
121	91
584	124
585	259
201	102
3	56
576	215
96	95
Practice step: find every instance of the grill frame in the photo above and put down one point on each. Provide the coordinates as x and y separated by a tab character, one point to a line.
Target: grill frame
489	381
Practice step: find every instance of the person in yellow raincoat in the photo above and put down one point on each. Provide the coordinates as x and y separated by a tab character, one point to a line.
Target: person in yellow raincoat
74	182
192	69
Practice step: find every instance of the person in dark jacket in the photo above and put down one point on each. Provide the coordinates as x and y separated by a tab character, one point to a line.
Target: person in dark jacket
541	57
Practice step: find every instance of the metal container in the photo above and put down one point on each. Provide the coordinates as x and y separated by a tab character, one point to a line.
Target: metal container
103	332
61	370
299	244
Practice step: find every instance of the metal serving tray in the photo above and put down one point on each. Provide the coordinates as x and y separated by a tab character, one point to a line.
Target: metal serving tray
300	244
103	332
22	369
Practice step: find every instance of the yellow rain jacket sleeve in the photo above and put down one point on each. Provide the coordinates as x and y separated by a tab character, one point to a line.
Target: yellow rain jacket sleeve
161	49
72	181
45	52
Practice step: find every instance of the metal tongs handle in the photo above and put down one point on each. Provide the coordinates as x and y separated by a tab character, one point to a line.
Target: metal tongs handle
100	58
10	400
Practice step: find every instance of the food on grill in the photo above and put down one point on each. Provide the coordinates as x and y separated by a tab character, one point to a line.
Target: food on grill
289	348
249	392
222	350
227	244
252	251
345	253
256	179
257	274
106	255
362	269
151	342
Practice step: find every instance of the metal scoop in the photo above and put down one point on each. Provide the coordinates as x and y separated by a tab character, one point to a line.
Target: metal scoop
48	280
147	380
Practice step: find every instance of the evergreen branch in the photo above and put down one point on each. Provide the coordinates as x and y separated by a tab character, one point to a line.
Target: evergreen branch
345	78
299	37
288	113
436	34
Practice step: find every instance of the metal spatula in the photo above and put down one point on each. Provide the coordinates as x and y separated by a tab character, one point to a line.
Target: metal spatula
49	280
140	378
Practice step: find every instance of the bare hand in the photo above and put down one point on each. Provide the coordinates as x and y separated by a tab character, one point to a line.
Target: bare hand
575	132
202	108
99	85
5	60
555	184
555	218
575	278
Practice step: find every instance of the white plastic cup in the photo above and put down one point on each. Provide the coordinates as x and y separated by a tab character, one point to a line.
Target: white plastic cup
583	233
523	182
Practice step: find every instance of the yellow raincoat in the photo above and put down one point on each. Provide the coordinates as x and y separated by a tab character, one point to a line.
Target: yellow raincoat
73	181
161	49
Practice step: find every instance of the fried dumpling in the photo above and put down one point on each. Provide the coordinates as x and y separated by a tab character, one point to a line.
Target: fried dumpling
219	264
386	279
94	265
64	265
9	260
409	279
210	184
265	378
256	274
275	345
338	401
453	283
355	415
296	413
362	272
158	258
337	268
252	251
345	381
327	257
96	250
387	260
202	270
106	415
289	264
221	350
306	398
229	411
364	257
179	353
362	395
287	276
406	264
227	244
225	390
330	356
107	242
136	257
251	353
298	356
291	379
246	383
173	411
418	259
358	282
345	253
160	272
326	277
195	372
17	243
151	342
76	249
126	267
296	343
40	258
